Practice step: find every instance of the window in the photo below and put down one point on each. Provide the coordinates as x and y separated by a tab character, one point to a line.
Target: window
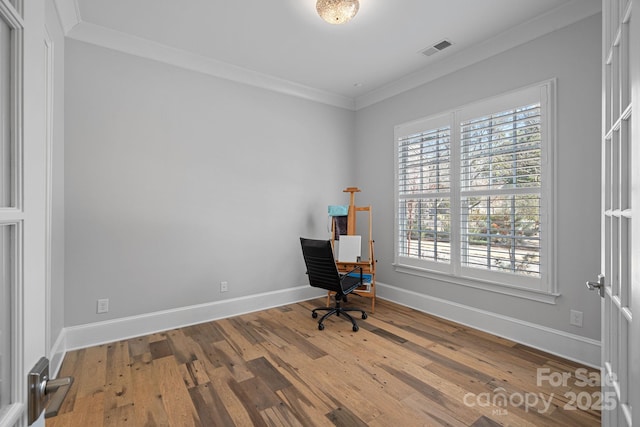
474	192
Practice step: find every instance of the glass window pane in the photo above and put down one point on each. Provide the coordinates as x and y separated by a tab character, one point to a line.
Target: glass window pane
502	233
6	152
425	229
424	162
502	150
6	285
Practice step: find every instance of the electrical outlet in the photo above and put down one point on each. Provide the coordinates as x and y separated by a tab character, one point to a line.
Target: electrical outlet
103	306
224	286
576	318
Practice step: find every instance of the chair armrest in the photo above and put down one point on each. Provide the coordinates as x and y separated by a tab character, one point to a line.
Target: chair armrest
351	271
343	275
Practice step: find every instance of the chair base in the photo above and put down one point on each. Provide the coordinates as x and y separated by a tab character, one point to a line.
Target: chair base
338	311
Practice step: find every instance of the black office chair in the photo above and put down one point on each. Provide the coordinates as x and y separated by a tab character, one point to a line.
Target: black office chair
323	273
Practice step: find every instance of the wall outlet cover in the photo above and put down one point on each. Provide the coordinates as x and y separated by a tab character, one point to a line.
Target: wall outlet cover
576	318
103	306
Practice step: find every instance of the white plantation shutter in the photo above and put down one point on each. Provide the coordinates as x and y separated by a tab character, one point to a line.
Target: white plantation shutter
425	160
424	191
500	183
472	191
501	150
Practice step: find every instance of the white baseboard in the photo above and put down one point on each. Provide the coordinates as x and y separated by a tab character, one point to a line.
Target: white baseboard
56	353
92	334
560	343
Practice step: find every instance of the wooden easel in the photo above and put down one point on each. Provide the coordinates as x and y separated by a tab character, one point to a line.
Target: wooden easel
369	265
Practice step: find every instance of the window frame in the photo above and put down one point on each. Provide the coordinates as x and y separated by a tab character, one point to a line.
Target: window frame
542	289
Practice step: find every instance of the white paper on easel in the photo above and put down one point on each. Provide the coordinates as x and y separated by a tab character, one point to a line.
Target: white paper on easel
349	248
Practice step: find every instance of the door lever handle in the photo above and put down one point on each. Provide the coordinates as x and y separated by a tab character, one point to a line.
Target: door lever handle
599	285
59	388
43	390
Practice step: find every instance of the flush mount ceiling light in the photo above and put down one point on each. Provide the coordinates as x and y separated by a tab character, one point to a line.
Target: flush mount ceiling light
337	11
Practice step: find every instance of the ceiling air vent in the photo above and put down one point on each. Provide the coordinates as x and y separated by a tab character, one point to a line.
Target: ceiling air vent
431	50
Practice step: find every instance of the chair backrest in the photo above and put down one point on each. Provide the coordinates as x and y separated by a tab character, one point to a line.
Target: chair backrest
321	265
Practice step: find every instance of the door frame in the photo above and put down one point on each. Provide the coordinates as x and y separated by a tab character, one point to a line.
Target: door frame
620	240
28	211
634	344
14	216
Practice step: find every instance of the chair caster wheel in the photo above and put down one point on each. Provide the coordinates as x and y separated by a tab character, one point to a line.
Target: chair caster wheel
320	326
364	315
314	315
355	328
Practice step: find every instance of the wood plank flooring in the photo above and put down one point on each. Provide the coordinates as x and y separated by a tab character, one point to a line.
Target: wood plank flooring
275	368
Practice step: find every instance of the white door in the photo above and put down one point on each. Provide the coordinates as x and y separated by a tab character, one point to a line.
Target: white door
620	278
22	203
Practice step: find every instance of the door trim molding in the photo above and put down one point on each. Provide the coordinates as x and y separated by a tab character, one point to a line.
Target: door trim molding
49	55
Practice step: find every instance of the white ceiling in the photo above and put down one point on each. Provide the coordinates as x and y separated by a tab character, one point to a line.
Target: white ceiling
284	45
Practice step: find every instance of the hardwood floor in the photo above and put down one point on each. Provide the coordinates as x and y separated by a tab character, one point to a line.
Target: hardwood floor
275	368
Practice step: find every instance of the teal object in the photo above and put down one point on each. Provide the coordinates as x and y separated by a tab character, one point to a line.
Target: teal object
338	210
366	278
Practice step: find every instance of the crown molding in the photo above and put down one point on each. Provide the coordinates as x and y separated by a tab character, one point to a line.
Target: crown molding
563	16
68	14
108	38
75	28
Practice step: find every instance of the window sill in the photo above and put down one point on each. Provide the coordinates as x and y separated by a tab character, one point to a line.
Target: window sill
533	295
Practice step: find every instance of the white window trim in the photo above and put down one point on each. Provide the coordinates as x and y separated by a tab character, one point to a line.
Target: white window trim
544	289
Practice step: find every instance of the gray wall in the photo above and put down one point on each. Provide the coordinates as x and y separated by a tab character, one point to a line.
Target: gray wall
176	181
572	55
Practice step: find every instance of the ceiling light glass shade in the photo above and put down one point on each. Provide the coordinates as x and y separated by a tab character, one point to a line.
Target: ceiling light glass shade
337	11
